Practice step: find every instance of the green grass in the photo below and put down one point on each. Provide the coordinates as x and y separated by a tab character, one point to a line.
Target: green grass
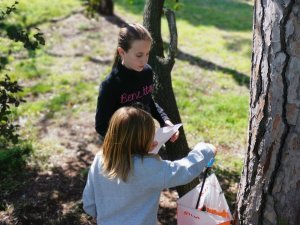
56	97
29	69
13	159
38	89
217	120
32	15
34	12
231	15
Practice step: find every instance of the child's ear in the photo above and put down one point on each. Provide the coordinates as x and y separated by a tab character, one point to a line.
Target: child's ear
121	51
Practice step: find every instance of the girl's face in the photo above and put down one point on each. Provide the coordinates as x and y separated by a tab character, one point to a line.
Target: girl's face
137	56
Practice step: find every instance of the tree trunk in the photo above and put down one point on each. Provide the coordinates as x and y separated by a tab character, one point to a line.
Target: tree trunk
269	191
106	7
162	67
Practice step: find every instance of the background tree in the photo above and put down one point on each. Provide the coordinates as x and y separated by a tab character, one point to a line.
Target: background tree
269	190
103	7
162	66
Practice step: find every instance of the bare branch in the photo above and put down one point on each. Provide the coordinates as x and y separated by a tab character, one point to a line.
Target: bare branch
170	15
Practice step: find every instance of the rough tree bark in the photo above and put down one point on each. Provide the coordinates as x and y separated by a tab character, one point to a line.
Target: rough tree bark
269	191
162	67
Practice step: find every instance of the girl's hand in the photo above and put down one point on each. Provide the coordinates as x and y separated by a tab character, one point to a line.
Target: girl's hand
153	146
213	148
176	135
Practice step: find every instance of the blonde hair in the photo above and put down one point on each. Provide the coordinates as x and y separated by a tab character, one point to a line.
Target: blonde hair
131	131
129	34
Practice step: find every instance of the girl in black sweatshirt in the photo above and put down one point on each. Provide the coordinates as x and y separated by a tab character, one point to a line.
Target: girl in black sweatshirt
131	80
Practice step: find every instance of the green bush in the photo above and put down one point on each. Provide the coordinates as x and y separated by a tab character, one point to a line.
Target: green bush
8	97
13	152
13	159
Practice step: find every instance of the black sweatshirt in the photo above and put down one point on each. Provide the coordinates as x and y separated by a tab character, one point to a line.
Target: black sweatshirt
125	87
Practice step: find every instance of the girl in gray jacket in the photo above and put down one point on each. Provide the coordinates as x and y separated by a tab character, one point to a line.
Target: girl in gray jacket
125	181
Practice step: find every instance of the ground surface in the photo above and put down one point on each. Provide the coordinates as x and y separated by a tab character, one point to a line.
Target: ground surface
52	195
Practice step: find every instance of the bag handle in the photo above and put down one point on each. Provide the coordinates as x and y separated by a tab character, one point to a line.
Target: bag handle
209	165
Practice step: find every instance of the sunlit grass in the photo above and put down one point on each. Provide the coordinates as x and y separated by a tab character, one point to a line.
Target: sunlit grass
58	96
32	12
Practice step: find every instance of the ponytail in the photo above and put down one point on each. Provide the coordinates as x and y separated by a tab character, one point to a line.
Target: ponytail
116	59
129	34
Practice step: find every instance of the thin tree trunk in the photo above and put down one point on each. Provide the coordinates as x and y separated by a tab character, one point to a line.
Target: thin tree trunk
162	67
269	191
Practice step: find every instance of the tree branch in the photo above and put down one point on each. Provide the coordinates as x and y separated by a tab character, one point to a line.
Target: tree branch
170	15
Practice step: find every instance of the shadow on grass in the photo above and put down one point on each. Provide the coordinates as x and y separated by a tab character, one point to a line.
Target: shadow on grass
224	14
55	196
52	197
240	78
116	20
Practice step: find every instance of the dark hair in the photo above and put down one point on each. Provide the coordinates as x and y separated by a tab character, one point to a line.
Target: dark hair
129	34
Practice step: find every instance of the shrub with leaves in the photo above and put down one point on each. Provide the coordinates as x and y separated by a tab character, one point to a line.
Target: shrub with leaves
8	98
9	89
13	151
13	160
18	33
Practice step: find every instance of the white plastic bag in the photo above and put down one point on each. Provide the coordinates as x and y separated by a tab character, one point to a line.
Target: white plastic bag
212	201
